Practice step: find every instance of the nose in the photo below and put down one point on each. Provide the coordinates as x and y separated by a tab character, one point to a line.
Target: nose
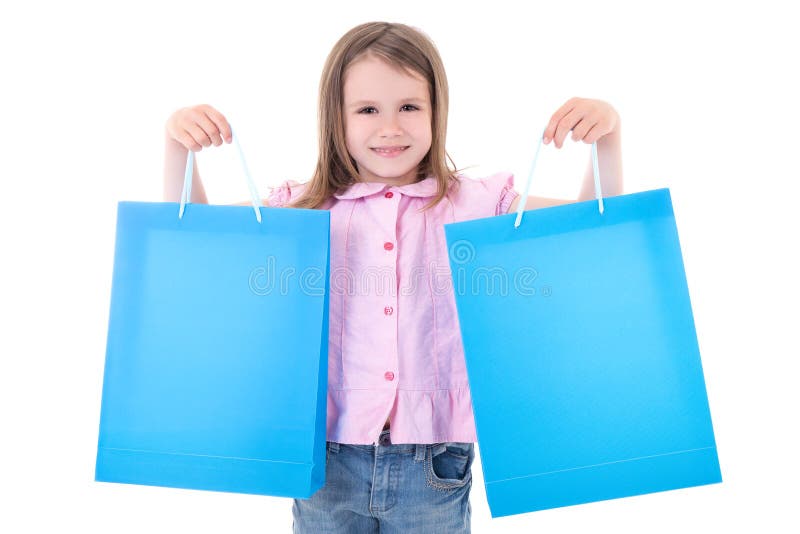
390	126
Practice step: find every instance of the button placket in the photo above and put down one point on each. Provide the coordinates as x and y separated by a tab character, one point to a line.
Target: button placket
388	245
391	260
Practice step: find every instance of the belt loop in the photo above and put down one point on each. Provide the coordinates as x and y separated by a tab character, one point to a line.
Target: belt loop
419	452
333	446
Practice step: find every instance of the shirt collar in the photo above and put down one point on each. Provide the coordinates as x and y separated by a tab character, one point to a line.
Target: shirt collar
424	188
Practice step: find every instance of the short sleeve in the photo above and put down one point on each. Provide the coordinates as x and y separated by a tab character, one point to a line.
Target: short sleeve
500	187
281	195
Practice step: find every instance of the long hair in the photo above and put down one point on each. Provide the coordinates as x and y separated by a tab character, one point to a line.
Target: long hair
403	47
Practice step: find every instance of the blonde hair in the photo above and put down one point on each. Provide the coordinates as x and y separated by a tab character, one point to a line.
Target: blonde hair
403	47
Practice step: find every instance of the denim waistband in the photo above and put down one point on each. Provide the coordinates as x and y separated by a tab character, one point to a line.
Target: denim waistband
385	446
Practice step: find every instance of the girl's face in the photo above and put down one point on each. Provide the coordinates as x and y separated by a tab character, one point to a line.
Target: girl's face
387	121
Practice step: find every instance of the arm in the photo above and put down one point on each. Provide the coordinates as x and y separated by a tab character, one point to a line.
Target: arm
609	162
174	169
538	202
250	203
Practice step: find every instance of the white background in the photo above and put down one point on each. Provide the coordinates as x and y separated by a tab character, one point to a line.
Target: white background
709	108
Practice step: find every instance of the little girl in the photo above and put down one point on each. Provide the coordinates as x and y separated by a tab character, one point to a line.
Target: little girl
400	426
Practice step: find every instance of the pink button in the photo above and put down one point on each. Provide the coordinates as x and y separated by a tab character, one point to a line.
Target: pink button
389	194
388	310
388	246
389	376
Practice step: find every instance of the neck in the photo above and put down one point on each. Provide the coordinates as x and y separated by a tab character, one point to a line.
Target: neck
408	178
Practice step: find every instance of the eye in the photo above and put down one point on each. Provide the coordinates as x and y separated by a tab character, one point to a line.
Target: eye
367	110
413	107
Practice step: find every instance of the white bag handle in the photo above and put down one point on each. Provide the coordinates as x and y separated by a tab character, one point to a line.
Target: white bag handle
597	192
186	193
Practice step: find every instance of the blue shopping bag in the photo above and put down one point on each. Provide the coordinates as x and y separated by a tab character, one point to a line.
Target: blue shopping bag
216	363
581	352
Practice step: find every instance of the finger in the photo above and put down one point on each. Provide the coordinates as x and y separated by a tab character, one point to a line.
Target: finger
199	135
565	125
595	133
187	140
580	130
221	123
550	130
206	126
214	135
600	126
210	126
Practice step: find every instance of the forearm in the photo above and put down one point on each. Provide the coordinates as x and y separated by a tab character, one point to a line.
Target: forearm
609	161
174	169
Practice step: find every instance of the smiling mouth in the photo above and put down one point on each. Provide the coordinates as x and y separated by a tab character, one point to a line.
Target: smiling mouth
389	150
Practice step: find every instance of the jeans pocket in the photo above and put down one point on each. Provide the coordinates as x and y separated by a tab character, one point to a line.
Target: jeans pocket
449	465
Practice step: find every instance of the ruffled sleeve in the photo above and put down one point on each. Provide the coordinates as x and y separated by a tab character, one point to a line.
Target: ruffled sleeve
500	189
282	194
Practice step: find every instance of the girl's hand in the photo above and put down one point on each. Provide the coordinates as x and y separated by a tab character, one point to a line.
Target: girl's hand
588	119
198	126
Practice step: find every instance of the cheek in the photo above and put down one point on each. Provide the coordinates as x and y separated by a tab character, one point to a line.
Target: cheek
426	129
425	134
353	132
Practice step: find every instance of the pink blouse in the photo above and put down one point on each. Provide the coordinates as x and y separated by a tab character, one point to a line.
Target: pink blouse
395	345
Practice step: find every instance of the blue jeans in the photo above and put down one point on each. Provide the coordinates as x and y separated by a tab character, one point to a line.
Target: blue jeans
405	488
